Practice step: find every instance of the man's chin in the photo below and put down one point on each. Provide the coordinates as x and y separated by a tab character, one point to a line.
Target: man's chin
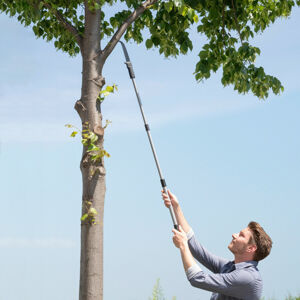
230	247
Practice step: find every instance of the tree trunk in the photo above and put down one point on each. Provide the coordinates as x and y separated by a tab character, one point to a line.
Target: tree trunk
93	172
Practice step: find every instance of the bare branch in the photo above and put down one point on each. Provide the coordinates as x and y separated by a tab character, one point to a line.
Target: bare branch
118	34
69	27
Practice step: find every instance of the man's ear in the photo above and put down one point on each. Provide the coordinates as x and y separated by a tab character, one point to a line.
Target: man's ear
251	248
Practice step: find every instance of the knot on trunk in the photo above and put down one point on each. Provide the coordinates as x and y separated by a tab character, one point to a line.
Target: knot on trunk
101	170
80	108
84	161
99	81
96	171
99	130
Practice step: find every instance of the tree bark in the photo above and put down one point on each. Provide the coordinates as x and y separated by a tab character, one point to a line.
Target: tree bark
93	173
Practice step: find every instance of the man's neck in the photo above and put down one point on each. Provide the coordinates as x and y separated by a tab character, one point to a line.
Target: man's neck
242	258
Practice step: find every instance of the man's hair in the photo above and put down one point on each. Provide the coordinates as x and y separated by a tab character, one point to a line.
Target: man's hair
261	239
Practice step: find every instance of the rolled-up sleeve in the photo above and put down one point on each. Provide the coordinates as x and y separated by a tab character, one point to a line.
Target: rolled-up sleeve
192	271
235	284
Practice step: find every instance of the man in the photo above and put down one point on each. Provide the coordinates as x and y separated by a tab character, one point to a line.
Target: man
238	279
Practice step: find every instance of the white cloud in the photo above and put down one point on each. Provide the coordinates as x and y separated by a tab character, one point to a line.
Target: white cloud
36	243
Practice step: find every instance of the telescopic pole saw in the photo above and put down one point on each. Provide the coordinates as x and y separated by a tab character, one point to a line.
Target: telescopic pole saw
162	180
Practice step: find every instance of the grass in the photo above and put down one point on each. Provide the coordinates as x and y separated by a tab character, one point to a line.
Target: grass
289	297
157	292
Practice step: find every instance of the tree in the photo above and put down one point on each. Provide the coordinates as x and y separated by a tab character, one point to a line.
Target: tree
81	27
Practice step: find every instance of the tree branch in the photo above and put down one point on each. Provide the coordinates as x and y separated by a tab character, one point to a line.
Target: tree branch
69	27
118	34
236	22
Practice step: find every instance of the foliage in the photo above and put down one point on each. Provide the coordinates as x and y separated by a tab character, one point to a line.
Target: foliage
289	297
105	92
157	293
90	215
227	26
89	139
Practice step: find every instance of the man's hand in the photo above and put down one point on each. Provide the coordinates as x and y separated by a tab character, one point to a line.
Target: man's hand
170	199
180	239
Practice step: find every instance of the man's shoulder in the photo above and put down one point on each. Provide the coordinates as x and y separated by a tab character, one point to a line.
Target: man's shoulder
252	282
250	274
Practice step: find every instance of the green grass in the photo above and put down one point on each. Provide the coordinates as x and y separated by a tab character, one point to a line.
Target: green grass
157	292
289	297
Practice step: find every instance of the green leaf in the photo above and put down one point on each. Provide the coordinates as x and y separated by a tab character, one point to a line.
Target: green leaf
97	6
107	122
73	134
85	142
101	99
96	158
105	93
93	147
106	154
149	43
177	3
168	6
109	89
41	4
92	212
93	137
84	217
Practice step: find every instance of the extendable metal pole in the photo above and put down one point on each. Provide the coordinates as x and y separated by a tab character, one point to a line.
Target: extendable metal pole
162	180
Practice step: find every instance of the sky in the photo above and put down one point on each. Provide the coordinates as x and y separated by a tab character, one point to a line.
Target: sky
229	158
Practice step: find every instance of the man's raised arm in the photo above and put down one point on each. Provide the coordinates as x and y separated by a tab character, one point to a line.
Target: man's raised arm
210	261
171	199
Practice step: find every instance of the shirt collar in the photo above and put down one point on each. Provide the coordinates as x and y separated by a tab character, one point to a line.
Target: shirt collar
246	264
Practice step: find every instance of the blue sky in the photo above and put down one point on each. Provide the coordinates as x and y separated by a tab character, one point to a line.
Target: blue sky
230	159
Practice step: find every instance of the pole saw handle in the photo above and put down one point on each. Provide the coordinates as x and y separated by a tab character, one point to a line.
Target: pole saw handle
171	208
162	181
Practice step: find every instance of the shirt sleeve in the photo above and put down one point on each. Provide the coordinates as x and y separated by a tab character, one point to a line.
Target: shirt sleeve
210	261
236	284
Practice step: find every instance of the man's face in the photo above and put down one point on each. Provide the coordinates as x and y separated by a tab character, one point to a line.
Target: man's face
240	242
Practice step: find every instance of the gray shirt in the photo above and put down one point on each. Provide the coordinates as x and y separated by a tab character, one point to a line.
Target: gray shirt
229	281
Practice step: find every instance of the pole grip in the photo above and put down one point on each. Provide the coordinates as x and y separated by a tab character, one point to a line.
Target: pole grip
171	207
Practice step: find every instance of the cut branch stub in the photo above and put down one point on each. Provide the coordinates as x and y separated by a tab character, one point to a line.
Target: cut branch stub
84	161
99	81
99	130
80	108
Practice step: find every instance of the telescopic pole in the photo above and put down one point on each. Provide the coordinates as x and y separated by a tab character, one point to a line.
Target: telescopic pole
162	180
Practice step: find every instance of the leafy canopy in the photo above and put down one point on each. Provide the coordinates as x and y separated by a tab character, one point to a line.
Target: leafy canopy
228	27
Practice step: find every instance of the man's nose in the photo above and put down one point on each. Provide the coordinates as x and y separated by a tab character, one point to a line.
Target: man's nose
234	235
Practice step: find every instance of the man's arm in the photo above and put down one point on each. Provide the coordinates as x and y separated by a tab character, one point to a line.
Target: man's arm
209	260
181	242
171	199
239	283
212	262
